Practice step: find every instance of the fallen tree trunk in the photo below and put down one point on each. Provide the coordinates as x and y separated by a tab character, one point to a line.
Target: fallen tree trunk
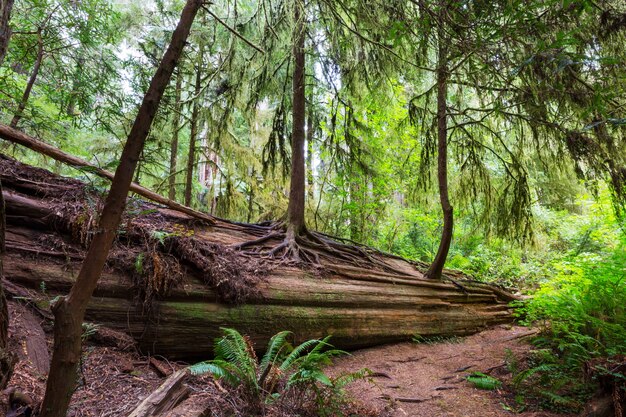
216	286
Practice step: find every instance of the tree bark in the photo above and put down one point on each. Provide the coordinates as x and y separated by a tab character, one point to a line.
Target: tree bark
310	131
174	144
295	210
31	82
436	268
191	160
5	29
69	311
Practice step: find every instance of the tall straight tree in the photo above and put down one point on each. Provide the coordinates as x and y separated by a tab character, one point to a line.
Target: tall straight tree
69	311
295	210
195	121
175	135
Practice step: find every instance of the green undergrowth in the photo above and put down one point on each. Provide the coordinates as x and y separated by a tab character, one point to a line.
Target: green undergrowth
285	381
581	313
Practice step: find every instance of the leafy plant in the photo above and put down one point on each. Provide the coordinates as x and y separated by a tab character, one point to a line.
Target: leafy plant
282	371
582	314
483	381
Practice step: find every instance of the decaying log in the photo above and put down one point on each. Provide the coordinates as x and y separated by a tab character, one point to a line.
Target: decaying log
165	398
358	306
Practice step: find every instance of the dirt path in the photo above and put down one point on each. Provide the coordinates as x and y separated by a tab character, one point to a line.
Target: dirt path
428	379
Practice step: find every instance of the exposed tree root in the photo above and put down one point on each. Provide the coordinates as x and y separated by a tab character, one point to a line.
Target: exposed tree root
309	248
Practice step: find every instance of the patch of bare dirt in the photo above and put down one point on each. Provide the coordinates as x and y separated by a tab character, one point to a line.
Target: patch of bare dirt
428	379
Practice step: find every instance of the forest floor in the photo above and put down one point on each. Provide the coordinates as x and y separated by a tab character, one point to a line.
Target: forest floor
429	378
409	379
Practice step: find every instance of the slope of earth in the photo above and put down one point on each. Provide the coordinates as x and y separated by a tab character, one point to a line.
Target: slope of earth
428	379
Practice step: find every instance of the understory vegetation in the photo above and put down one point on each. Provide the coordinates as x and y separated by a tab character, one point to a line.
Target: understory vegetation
482	136
286	381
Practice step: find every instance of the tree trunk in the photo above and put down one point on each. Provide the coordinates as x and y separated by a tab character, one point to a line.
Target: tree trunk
359	306
174	144
310	131
436	267
191	160
5	29
31	82
69	311
295	210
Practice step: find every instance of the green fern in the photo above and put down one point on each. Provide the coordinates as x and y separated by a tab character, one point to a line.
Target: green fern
522	376
237	364
483	381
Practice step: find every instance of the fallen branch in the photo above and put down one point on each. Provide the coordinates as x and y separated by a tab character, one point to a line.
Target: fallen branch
165	398
15	136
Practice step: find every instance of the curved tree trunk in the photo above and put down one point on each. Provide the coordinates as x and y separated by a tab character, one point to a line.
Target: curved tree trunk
436	267
295	210
69	311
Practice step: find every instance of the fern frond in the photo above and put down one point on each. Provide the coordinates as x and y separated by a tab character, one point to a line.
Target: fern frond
314	344
483	381
349	377
522	376
276	344
235	349
219	370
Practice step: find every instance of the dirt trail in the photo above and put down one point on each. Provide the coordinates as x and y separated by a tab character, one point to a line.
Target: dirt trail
428	379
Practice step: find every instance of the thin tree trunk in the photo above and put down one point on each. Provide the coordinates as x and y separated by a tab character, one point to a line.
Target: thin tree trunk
5	30
250	197
69	311
295	210
78	68
174	145
310	130
31	82
191	160
436	268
